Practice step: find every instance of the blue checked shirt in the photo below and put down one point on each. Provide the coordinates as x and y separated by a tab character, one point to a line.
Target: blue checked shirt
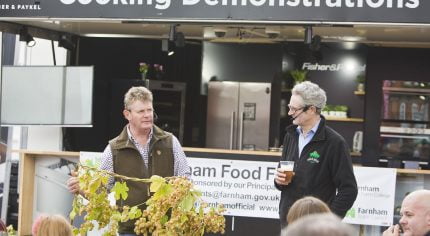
181	167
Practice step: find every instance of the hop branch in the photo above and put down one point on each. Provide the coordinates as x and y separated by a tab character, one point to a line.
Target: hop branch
175	207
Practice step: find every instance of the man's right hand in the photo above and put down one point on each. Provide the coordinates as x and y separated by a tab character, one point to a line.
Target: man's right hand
281	177
73	183
393	230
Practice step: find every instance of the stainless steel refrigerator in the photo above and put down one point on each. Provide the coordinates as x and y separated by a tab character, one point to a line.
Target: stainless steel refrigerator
238	115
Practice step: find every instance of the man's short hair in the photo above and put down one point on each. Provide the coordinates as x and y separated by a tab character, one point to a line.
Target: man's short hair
137	94
325	224
311	94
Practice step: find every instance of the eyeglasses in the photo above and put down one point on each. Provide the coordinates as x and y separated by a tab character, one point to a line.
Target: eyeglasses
294	109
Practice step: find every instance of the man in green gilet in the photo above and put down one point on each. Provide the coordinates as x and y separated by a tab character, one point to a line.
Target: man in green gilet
141	150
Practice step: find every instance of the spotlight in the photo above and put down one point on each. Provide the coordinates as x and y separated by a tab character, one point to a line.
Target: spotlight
66	42
316	43
167	46
308	35
24	36
172	33
179	40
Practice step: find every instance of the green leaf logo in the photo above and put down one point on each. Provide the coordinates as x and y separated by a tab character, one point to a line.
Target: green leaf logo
350	213
314	154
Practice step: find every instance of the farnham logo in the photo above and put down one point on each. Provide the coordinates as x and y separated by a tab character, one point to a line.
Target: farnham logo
313	157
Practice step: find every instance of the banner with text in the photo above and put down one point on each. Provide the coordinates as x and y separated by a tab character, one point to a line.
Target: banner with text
375	200
245	188
342	11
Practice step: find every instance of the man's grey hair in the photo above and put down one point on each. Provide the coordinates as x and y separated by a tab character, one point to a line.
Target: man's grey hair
137	94
311	94
326	224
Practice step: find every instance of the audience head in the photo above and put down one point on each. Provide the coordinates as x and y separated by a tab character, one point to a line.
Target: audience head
51	225
306	206
321	224
415	213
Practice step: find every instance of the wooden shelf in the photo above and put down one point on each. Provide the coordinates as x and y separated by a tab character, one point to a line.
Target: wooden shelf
344	119
359	92
406	90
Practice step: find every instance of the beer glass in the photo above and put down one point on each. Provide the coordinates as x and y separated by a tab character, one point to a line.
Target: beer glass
287	167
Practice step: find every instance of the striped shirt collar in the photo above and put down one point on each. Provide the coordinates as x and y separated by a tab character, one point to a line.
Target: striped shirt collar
130	135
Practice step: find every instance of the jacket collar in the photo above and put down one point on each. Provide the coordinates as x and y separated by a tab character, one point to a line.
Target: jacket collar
123	140
319	135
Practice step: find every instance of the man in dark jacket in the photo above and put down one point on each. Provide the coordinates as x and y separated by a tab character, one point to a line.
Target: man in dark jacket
322	164
415	213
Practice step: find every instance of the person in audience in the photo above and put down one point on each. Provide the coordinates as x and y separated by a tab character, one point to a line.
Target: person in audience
415	212
306	206
322	163
141	149
51	225
321	224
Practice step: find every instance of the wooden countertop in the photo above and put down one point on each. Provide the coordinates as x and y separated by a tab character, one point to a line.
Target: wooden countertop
203	150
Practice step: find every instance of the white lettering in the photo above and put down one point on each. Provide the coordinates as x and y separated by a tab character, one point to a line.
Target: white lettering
378	3
389	3
330	67
307	3
190	2
212	2
349	3
102	2
84	2
412	3
162	4
336	3
257	2
293	3
67	2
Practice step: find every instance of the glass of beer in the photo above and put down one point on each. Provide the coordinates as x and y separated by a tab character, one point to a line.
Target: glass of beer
287	167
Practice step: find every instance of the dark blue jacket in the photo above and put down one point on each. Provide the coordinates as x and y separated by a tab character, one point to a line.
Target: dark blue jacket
324	166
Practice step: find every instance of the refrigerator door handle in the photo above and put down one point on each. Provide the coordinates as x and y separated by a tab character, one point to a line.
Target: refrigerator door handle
232	119
240	131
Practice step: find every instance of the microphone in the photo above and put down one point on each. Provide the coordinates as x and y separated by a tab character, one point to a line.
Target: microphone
306	108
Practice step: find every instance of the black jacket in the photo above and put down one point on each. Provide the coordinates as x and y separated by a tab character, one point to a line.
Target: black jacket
324	167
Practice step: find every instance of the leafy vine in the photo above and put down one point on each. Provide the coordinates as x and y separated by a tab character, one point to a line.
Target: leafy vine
175	207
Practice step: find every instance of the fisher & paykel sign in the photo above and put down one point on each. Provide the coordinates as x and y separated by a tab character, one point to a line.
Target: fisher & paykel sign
384	11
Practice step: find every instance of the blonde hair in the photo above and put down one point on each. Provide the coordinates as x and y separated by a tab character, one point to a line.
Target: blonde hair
306	206
321	224
54	225
137	94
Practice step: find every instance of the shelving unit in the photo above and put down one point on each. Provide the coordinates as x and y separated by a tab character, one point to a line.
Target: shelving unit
404	123
344	119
